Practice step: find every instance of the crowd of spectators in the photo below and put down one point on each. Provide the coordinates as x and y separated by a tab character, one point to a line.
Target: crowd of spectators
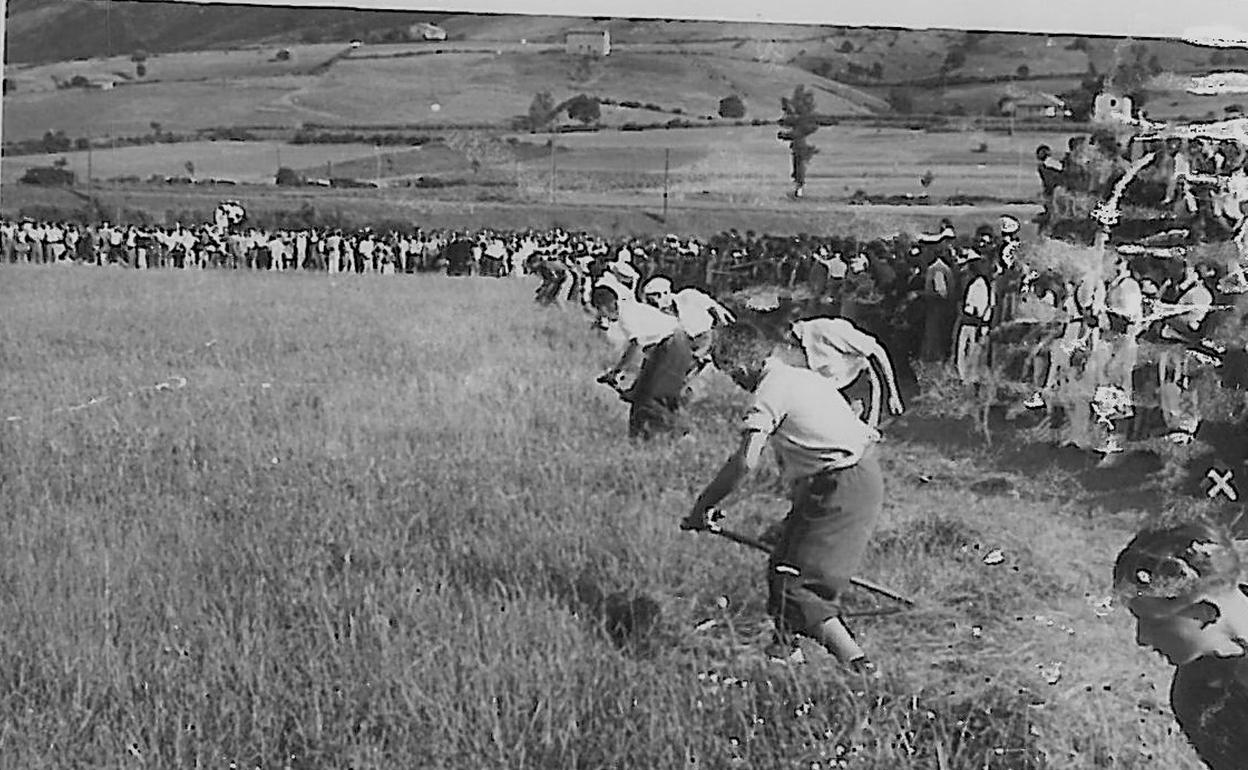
940	297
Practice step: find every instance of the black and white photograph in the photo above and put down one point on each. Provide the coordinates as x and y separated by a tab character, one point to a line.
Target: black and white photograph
530	384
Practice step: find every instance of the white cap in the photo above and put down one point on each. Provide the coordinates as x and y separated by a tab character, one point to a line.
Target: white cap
1009	224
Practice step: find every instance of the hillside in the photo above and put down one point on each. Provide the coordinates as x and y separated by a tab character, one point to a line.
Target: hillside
52	30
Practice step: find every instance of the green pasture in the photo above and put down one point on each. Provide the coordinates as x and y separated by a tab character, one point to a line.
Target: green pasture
627	164
488	87
253	162
219	64
392	522
177	107
475	208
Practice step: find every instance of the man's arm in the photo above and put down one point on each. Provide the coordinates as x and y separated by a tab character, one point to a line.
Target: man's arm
632	352
881	367
744	461
722	314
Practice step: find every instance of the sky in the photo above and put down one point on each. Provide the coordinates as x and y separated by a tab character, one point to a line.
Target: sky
1133	18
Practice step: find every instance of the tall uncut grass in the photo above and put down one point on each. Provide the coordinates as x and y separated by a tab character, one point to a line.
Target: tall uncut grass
391	522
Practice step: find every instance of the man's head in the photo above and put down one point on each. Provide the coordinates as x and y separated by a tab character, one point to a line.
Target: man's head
984	235
1179	582
1043	152
742	349
606	301
658	292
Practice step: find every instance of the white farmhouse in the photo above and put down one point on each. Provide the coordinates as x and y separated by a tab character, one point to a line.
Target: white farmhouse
424	31
588	42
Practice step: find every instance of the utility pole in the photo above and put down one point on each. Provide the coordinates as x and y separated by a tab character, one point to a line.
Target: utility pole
90	176
667	161
1018	166
377	159
553	168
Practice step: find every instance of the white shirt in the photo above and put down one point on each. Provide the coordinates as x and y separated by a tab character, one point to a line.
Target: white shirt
811	425
835	348
644	324
626	273
978	300
693	309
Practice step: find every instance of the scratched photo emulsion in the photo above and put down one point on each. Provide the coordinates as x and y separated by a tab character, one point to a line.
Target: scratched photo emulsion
420	389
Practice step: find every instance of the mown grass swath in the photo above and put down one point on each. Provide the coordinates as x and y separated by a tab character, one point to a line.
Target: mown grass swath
393	523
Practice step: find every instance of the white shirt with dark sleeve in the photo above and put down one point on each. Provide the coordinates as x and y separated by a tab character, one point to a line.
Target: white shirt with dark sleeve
811	426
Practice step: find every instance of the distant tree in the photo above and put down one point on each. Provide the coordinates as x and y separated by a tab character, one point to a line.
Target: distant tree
1130	76
798	122
1078	44
82	143
1154	65
541	110
1023	71
289	177
847	47
825	69
955	59
156	127
877	70
60	163
282	55
190	168
731	107
79	81
584	108
140	70
55	141
927	179
139	56
47	175
901	100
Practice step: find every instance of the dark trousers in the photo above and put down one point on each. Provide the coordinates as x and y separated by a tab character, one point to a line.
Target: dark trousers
658	395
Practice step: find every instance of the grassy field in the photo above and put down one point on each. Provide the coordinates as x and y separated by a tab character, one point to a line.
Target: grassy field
240	161
179	107
718	160
468	208
471	87
392	522
243	88
729	168
221	64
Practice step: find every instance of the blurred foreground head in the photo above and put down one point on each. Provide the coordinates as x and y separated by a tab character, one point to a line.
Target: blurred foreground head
1177	561
1181	582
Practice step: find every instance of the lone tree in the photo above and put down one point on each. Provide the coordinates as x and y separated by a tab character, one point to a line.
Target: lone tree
584	108
541	110
799	121
731	107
